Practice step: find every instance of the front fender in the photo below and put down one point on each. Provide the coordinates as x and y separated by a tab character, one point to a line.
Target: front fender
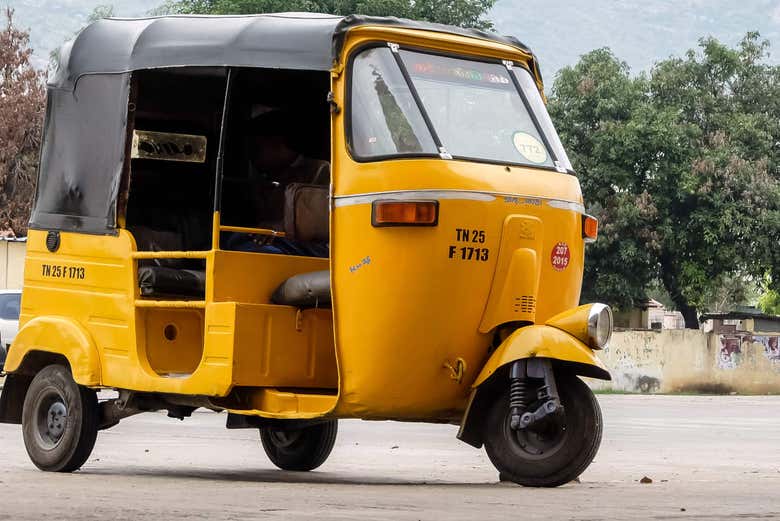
527	342
544	342
60	335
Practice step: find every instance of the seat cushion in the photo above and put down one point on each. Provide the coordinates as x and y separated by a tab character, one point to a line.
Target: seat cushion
305	290
306	212
161	280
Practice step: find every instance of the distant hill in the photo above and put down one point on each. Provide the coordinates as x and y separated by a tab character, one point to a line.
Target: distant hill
639	31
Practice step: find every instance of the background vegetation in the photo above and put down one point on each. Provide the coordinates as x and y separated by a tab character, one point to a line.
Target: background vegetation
681	168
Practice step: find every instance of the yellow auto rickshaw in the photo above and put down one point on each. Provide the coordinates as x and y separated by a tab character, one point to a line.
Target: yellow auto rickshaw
450	226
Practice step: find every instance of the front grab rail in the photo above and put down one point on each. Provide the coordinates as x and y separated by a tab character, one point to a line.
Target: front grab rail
142	255
252	231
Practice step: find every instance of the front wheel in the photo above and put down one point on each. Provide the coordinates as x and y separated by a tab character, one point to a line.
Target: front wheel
299	449
551	456
59	420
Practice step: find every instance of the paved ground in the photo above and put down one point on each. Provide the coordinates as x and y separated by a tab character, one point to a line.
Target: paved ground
709	458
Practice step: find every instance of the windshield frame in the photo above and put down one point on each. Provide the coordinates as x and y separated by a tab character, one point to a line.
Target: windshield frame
445	154
348	128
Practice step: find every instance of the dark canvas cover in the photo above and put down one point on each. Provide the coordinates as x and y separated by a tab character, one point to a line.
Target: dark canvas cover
82	156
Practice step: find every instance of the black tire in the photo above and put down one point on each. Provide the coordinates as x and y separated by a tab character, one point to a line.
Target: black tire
554	457
300	449
59	421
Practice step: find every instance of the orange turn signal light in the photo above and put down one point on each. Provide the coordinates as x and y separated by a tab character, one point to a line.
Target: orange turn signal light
405	213
590	228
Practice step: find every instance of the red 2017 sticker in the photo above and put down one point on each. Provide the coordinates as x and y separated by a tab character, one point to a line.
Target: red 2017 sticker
560	256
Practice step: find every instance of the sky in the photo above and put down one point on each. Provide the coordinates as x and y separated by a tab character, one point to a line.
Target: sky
639	32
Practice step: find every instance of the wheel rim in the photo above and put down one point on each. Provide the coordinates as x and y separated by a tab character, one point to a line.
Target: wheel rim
52	419
284	439
538	443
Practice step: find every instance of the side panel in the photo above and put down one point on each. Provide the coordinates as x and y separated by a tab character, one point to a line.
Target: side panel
78	298
253	277
279	346
79	301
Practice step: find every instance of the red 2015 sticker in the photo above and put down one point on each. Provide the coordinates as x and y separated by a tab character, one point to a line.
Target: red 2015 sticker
560	256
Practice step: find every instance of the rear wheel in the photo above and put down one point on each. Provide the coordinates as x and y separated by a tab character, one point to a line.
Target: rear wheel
59	421
552	454
300	449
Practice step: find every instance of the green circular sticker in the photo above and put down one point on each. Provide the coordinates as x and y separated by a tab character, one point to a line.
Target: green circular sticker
529	147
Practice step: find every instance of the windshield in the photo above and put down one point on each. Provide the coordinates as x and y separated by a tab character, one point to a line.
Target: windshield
537	106
476	109
388	120
470	109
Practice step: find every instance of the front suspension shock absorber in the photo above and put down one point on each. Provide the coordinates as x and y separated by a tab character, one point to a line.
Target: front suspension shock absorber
518	394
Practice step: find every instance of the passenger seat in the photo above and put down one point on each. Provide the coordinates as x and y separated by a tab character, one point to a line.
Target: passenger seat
166	277
306	218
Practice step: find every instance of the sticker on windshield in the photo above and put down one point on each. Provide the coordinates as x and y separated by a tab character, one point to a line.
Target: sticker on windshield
529	147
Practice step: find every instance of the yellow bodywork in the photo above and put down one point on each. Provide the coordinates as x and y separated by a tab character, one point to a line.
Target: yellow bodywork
411	328
63	336
539	342
574	321
114	338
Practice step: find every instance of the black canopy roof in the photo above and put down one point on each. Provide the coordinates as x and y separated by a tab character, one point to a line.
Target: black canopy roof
307	41
85	133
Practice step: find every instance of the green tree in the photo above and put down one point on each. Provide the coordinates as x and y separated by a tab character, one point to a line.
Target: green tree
769	301
601	113
681	166
465	13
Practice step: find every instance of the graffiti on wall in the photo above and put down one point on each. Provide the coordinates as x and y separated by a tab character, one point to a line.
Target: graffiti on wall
771	346
731	353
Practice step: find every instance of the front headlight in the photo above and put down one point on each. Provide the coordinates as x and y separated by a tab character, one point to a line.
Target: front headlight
599	326
590	323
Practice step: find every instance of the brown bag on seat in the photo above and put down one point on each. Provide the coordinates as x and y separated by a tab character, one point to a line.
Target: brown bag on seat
306	212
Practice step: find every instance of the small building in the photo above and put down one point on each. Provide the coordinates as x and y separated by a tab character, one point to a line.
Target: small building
745	337
651	314
745	319
12	251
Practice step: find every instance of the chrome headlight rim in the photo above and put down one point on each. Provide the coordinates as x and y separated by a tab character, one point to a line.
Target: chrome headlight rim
595	315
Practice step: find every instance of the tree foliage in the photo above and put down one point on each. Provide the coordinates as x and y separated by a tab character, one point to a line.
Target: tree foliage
769	301
681	167
465	13
21	108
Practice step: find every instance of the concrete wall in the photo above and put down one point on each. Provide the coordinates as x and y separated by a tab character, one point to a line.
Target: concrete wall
685	360
12	263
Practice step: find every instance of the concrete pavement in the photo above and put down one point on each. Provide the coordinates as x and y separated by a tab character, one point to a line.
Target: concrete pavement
708	457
